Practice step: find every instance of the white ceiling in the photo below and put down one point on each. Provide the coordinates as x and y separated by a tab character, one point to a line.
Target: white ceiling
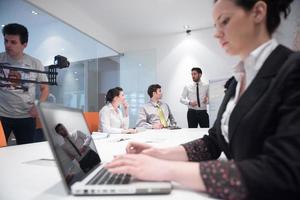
146	18
113	21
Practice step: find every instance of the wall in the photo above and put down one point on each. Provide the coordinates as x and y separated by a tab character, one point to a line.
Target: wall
176	55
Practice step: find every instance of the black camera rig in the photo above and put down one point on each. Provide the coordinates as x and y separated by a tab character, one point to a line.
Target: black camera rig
7	81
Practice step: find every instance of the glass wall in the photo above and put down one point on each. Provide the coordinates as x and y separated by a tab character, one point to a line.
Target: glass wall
137	72
77	85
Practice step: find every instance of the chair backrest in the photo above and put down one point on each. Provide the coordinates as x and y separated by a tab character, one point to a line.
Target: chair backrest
92	120
2	137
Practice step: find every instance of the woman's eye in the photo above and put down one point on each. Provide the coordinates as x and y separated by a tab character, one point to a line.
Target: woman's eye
225	21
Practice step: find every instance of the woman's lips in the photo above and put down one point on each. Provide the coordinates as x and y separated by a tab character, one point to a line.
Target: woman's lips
224	44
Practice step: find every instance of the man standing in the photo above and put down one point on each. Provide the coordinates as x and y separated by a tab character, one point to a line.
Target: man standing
155	114
195	96
17	111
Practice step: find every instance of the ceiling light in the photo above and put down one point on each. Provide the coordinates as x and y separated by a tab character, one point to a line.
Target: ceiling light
2	25
188	31
187	27
34	12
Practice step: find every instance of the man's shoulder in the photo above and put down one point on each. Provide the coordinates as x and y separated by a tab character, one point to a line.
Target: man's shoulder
190	84
32	59
2	56
146	105
205	84
163	103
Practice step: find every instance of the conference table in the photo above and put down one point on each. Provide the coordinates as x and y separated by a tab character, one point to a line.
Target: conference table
29	172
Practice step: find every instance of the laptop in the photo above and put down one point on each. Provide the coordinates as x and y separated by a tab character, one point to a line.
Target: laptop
78	161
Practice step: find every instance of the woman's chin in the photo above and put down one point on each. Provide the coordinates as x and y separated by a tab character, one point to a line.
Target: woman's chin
230	52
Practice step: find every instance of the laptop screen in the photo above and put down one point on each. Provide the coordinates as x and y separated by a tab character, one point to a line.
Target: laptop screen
70	141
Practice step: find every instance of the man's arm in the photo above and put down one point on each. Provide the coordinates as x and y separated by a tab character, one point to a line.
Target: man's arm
142	119
44	92
206	99
183	98
85	137
43	97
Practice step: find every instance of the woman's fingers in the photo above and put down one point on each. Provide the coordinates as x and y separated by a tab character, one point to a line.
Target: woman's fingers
123	170
136	147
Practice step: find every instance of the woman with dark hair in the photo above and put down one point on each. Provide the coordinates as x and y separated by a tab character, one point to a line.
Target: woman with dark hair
258	124
112	120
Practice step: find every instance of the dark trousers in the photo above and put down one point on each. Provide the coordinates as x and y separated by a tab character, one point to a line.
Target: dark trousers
24	129
196	117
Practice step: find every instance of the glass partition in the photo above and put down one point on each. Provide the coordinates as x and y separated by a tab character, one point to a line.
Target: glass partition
137	72
48	37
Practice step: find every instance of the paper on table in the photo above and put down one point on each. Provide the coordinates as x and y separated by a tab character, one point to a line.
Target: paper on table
99	135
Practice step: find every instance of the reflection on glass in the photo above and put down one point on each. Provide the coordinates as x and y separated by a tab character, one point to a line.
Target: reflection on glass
76	146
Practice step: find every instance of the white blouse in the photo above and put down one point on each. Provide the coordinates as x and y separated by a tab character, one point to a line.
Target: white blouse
111	120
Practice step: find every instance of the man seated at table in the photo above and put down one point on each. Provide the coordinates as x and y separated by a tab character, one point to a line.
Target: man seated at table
155	114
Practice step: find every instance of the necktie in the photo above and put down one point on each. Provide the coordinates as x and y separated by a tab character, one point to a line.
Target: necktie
74	146
198	100
161	116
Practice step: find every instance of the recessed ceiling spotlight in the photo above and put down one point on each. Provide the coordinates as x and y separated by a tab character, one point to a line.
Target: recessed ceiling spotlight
187	27
2	25
34	12
75	72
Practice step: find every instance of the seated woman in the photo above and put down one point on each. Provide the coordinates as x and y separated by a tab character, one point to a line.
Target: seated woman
112	120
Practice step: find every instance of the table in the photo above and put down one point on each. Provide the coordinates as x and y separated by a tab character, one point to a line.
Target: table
29	172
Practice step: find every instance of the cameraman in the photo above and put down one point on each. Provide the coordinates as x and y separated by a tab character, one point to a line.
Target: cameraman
17	111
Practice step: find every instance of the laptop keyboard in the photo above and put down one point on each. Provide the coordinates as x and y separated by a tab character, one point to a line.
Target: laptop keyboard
105	177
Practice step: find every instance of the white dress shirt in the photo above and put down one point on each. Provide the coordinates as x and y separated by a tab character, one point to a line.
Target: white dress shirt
250	67
189	94
111	120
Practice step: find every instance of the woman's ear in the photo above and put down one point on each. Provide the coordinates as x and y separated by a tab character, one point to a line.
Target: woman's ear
259	11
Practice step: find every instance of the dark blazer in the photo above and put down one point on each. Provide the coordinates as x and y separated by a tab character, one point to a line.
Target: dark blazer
264	129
